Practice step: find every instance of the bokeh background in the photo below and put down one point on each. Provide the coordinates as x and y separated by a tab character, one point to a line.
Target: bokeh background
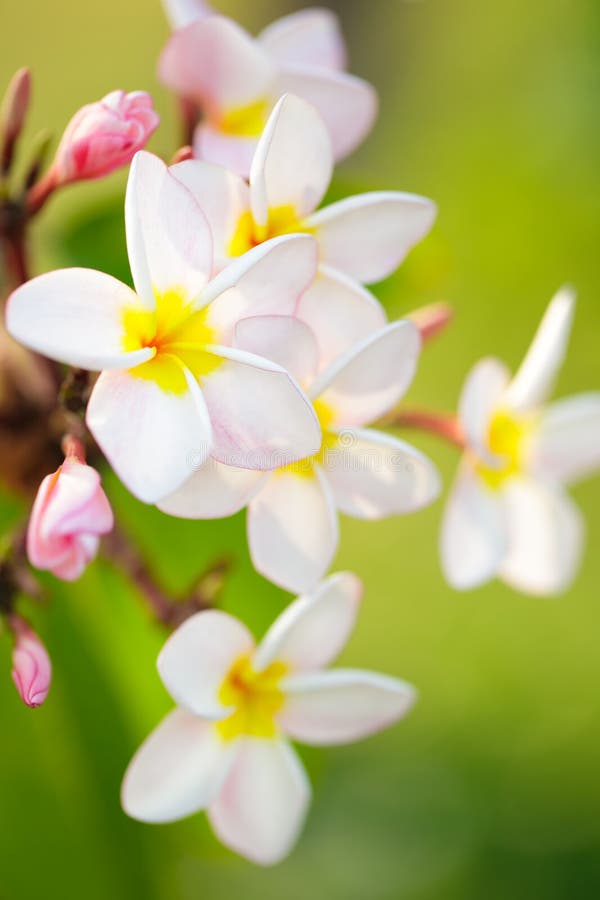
491	787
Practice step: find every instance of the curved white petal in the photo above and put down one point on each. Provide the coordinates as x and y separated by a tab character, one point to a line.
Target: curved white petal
347	105
370	378
373	475
152	438
284	340
213	492
260	417
227	150
481	397
533	383
566	446
183	12
369	235
177	771
340	312
260	811
197	657
293	529
168	238
545	538
342	705
474	532
75	316
293	163
309	37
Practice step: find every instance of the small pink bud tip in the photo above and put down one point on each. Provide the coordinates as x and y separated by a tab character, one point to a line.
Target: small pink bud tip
432	319
32	669
182	155
14	111
69	514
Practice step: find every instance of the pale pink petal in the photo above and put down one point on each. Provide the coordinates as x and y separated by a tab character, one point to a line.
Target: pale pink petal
481	397
282	339
177	771
75	316
197	657
342	706
260	811
213	492
313	630
310	37
533	383
183	12
293	529
227	150
369	235
566	447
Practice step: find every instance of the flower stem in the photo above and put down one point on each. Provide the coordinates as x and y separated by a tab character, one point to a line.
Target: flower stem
443	425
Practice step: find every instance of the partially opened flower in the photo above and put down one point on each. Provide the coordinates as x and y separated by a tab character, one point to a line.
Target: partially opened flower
361	239
225	748
508	514
292	512
236	80
173	391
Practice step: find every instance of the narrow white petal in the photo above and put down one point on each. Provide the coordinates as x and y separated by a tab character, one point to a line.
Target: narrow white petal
183	12
309	37
567	446
284	340
480	398
213	492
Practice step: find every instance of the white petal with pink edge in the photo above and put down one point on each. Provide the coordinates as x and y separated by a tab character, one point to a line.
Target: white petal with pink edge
213	492
282	339
481	397
309	37
566	445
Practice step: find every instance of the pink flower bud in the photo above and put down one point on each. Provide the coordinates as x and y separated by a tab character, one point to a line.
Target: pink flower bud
32	669
104	136
70	513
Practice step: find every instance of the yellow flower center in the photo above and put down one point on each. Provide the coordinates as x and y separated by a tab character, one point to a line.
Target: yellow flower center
508	439
304	467
248	234
245	121
256	698
177	333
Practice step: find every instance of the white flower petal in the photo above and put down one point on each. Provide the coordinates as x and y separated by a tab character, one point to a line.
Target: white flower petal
213	492
230	151
260	811
293	163
309	37
293	529
314	629
369	235
183	12
282	339
545	538
177	771
340	312
152	438
474	532
370	378
480	398
533	383
566	447
373	475
197	657
342	705
75	316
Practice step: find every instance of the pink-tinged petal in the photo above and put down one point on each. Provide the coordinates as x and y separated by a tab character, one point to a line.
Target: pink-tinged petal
314	629
474	532
168	238
266	281
566	447
369	235
31	665
261	809
196	658
213	492
293	163
293	529
260	417
347	105
310	37
218	65
546	535
340	312
183	12
373	475
286	341
369	379
75	316
232	152
533	383
342	706
222	196
177	771
151	437
481	397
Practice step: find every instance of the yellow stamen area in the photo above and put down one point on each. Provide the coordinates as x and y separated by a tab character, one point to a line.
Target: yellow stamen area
304	468
256	698
508	438
248	234
177	333
245	121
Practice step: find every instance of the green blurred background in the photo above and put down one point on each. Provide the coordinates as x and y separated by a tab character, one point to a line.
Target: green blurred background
491	787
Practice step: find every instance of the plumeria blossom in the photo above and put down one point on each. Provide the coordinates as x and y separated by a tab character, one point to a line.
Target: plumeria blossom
31	665
225	748
172	389
292	518
236	80
508	514
361	239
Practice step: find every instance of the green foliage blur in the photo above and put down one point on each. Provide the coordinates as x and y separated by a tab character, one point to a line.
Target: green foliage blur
490	789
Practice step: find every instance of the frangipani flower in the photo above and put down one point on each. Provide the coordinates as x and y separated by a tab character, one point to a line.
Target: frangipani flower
172	390
236	80
292	518
225	748
31	665
508	514
361	239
